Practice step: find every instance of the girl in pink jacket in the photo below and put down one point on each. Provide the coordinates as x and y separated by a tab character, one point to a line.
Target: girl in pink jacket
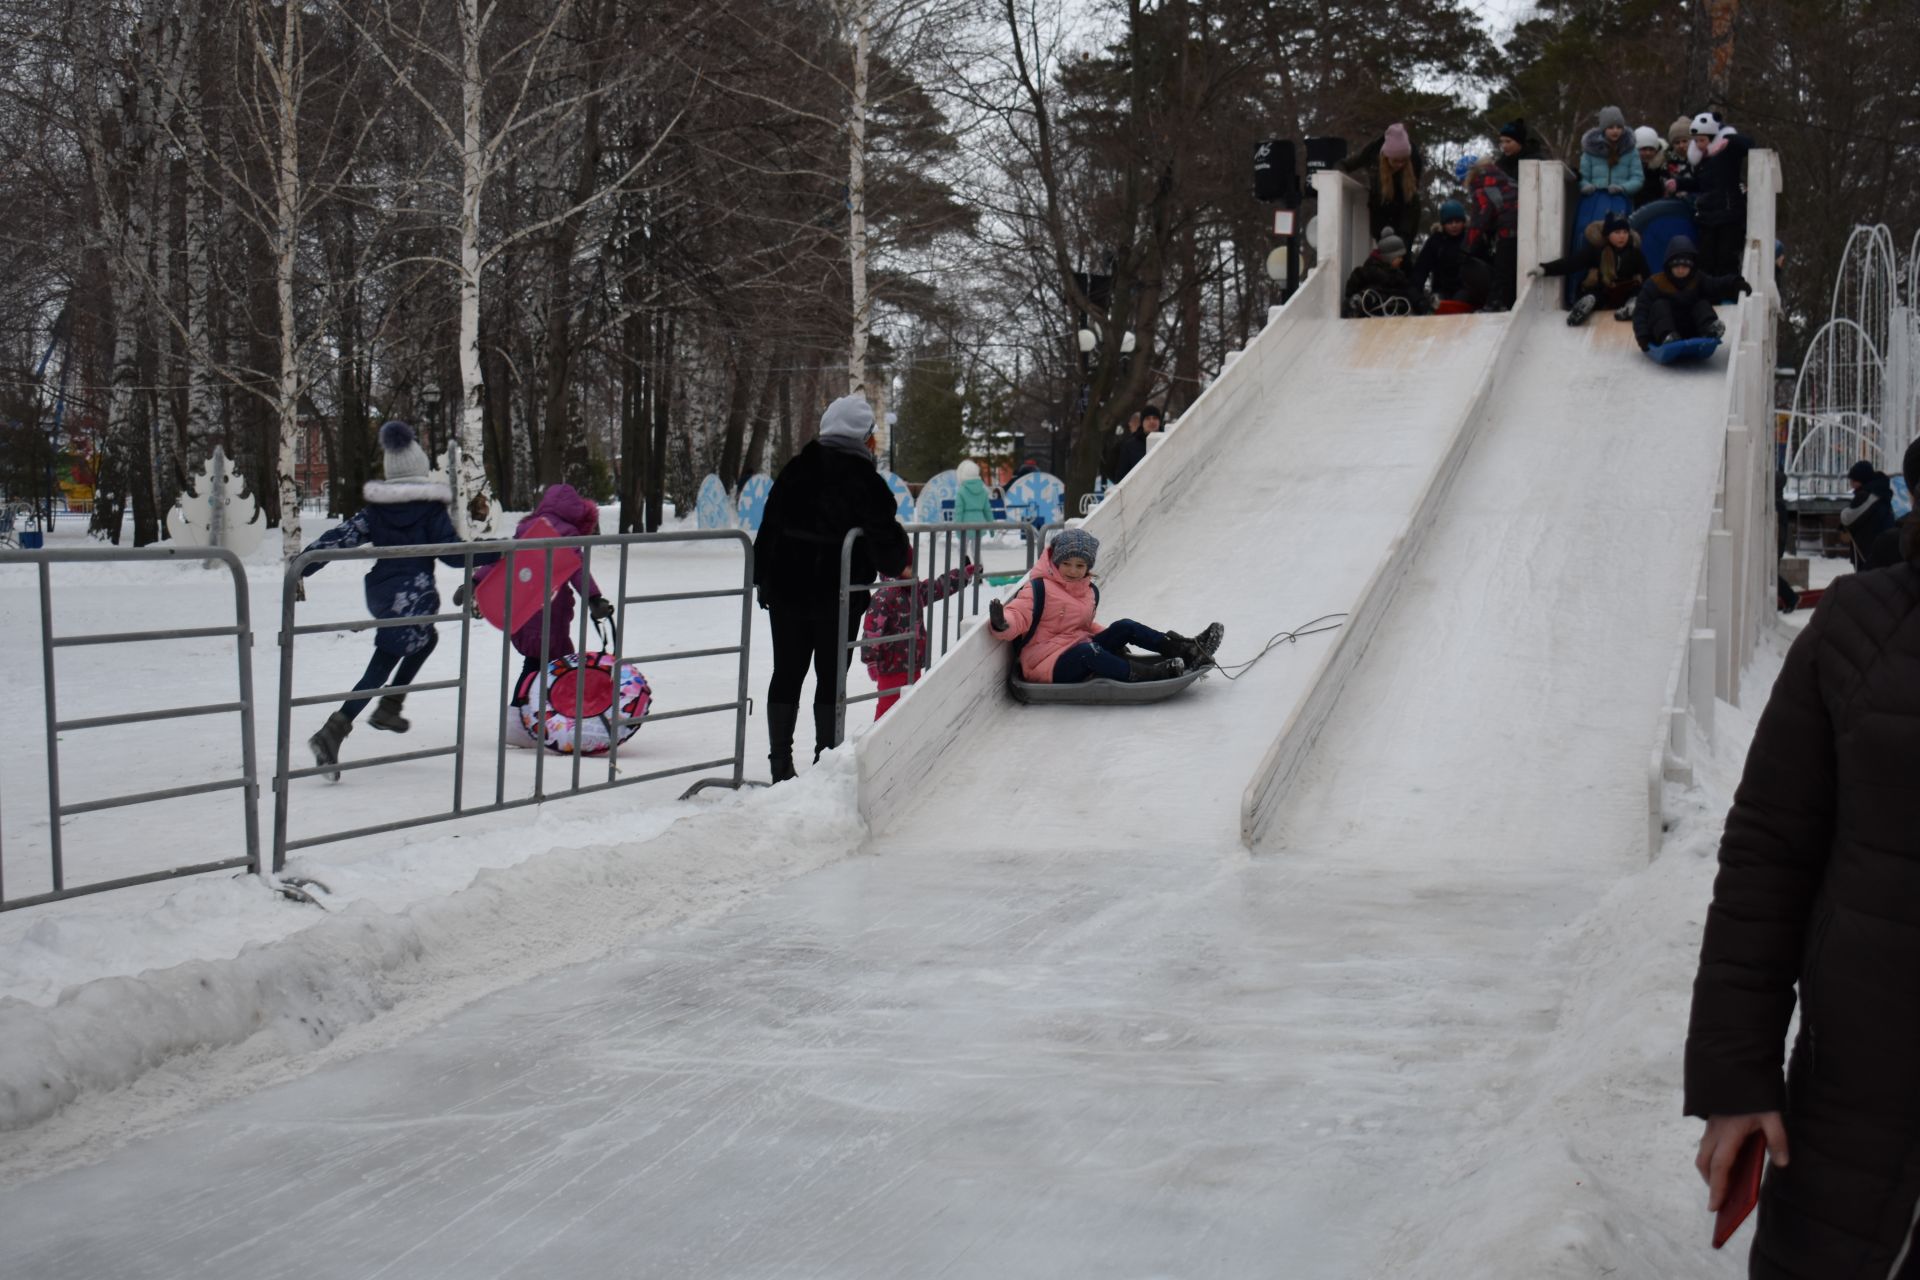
1063	645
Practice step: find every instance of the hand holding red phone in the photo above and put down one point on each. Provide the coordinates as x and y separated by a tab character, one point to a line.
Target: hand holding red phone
1730	1161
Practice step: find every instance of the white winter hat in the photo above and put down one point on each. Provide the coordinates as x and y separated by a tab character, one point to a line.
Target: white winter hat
404	458
1706	125
1647	136
968	469
848	420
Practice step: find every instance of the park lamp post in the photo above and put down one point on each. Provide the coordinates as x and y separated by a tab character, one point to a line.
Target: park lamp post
430	403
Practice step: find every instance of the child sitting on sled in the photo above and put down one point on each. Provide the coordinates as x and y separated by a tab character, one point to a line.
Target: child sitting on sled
894	664
1050	621
1678	302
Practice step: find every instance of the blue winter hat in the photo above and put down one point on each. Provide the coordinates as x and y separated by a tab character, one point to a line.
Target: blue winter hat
1452	211
1075	544
404	460
1681	249
1462	167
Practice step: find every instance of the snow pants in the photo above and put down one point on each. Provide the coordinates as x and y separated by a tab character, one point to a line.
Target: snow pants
382	665
887	681
1611	297
1476	280
1506	272
1721	246
1103	657
803	636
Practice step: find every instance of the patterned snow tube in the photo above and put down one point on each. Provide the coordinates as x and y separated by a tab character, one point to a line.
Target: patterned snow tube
580	686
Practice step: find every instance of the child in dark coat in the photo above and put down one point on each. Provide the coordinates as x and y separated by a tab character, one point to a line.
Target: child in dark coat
1717	181
898	611
1448	264
1610	268
405	509
1678	302
1379	285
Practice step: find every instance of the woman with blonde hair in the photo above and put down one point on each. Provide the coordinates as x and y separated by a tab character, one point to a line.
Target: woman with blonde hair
1391	167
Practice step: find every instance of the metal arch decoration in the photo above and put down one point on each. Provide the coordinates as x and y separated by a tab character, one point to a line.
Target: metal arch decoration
1839	404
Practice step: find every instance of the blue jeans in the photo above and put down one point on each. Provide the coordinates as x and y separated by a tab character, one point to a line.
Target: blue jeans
1102	657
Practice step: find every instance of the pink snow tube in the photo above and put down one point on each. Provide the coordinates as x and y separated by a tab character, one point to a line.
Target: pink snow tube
581	689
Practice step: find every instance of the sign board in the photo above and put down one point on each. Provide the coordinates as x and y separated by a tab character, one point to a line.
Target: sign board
1283	222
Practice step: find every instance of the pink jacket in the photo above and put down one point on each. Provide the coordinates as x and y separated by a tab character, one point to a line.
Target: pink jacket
1067	620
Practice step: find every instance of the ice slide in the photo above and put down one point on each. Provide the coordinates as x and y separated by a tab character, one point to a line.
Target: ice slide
1061	1024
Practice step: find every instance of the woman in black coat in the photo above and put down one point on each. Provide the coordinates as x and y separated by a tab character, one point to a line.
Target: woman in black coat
1819	894
830	487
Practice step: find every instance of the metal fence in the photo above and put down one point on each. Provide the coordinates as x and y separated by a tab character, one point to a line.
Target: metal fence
460	803
241	630
955	544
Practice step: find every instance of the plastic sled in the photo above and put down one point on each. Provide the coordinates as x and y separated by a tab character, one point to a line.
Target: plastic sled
1659	222
581	691
1105	693
1684	350
531	590
1451	307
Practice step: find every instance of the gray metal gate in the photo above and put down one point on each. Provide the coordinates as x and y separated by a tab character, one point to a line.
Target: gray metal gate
459	804
955	542
241	629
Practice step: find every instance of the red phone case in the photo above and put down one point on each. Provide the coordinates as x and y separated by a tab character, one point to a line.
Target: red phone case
1743	1187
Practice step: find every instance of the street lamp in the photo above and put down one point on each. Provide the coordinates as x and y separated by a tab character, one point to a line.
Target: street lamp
430	400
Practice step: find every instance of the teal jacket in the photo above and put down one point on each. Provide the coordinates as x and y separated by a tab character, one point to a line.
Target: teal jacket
973	504
1626	173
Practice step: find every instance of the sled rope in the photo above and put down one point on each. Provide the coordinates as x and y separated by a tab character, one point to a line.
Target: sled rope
1312	627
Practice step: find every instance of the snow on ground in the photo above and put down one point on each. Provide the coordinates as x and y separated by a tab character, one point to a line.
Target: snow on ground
84	983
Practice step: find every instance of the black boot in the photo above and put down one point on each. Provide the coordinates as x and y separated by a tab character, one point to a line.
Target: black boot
386	714
781	720
1197	652
825	738
1141	669
326	743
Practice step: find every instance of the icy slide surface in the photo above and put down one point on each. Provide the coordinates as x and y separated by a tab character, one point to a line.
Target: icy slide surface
1094	1038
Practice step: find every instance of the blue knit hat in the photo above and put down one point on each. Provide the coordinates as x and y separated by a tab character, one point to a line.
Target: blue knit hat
1075	544
1452	211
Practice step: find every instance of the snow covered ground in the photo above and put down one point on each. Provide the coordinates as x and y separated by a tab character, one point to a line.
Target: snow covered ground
1322	1078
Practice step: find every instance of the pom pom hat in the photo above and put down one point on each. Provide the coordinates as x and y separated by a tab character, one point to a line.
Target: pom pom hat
404	459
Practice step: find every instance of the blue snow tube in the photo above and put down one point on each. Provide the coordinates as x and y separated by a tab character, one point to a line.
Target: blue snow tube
1660	222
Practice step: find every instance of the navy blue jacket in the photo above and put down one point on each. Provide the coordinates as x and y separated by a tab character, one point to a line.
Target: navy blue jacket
399	513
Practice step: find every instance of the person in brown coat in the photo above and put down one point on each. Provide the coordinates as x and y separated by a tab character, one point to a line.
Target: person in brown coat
1819	889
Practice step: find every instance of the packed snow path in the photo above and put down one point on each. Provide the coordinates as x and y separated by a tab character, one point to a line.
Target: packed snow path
1061	1025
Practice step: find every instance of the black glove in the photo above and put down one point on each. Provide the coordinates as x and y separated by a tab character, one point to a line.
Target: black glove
1740	283
997	615
760	595
459	595
599	608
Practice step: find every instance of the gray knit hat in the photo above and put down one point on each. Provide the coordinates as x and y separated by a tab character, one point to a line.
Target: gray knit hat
1391	245
1612	118
1075	543
404	460
847	422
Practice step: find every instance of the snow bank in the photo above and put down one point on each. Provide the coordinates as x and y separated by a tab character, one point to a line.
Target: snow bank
283	999
1591	1172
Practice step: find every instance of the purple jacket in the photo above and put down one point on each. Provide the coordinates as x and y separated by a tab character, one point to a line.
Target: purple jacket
562	507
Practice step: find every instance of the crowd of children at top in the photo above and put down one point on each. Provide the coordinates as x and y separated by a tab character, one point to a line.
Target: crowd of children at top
1469	259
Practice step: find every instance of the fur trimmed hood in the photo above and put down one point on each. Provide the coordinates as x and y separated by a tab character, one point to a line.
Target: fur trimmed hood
1594	143
1596	236
386	493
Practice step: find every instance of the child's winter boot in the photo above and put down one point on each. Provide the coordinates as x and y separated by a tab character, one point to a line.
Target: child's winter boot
1155	669
386	714
325	744
1198	652
780	725
1582	308
1626	312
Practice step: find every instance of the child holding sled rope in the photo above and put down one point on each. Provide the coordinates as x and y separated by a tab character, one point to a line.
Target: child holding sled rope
405	509
1051	619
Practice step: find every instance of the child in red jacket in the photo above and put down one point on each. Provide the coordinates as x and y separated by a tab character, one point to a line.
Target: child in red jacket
897	611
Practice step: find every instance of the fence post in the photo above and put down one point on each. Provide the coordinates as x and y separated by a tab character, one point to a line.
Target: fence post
53	721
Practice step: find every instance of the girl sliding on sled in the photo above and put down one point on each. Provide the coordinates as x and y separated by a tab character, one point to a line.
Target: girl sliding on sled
1051	620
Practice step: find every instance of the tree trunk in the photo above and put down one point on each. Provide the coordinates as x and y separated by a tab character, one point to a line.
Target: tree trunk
739	399
662	385
634	423
286	232
473	178
862	15
775	381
